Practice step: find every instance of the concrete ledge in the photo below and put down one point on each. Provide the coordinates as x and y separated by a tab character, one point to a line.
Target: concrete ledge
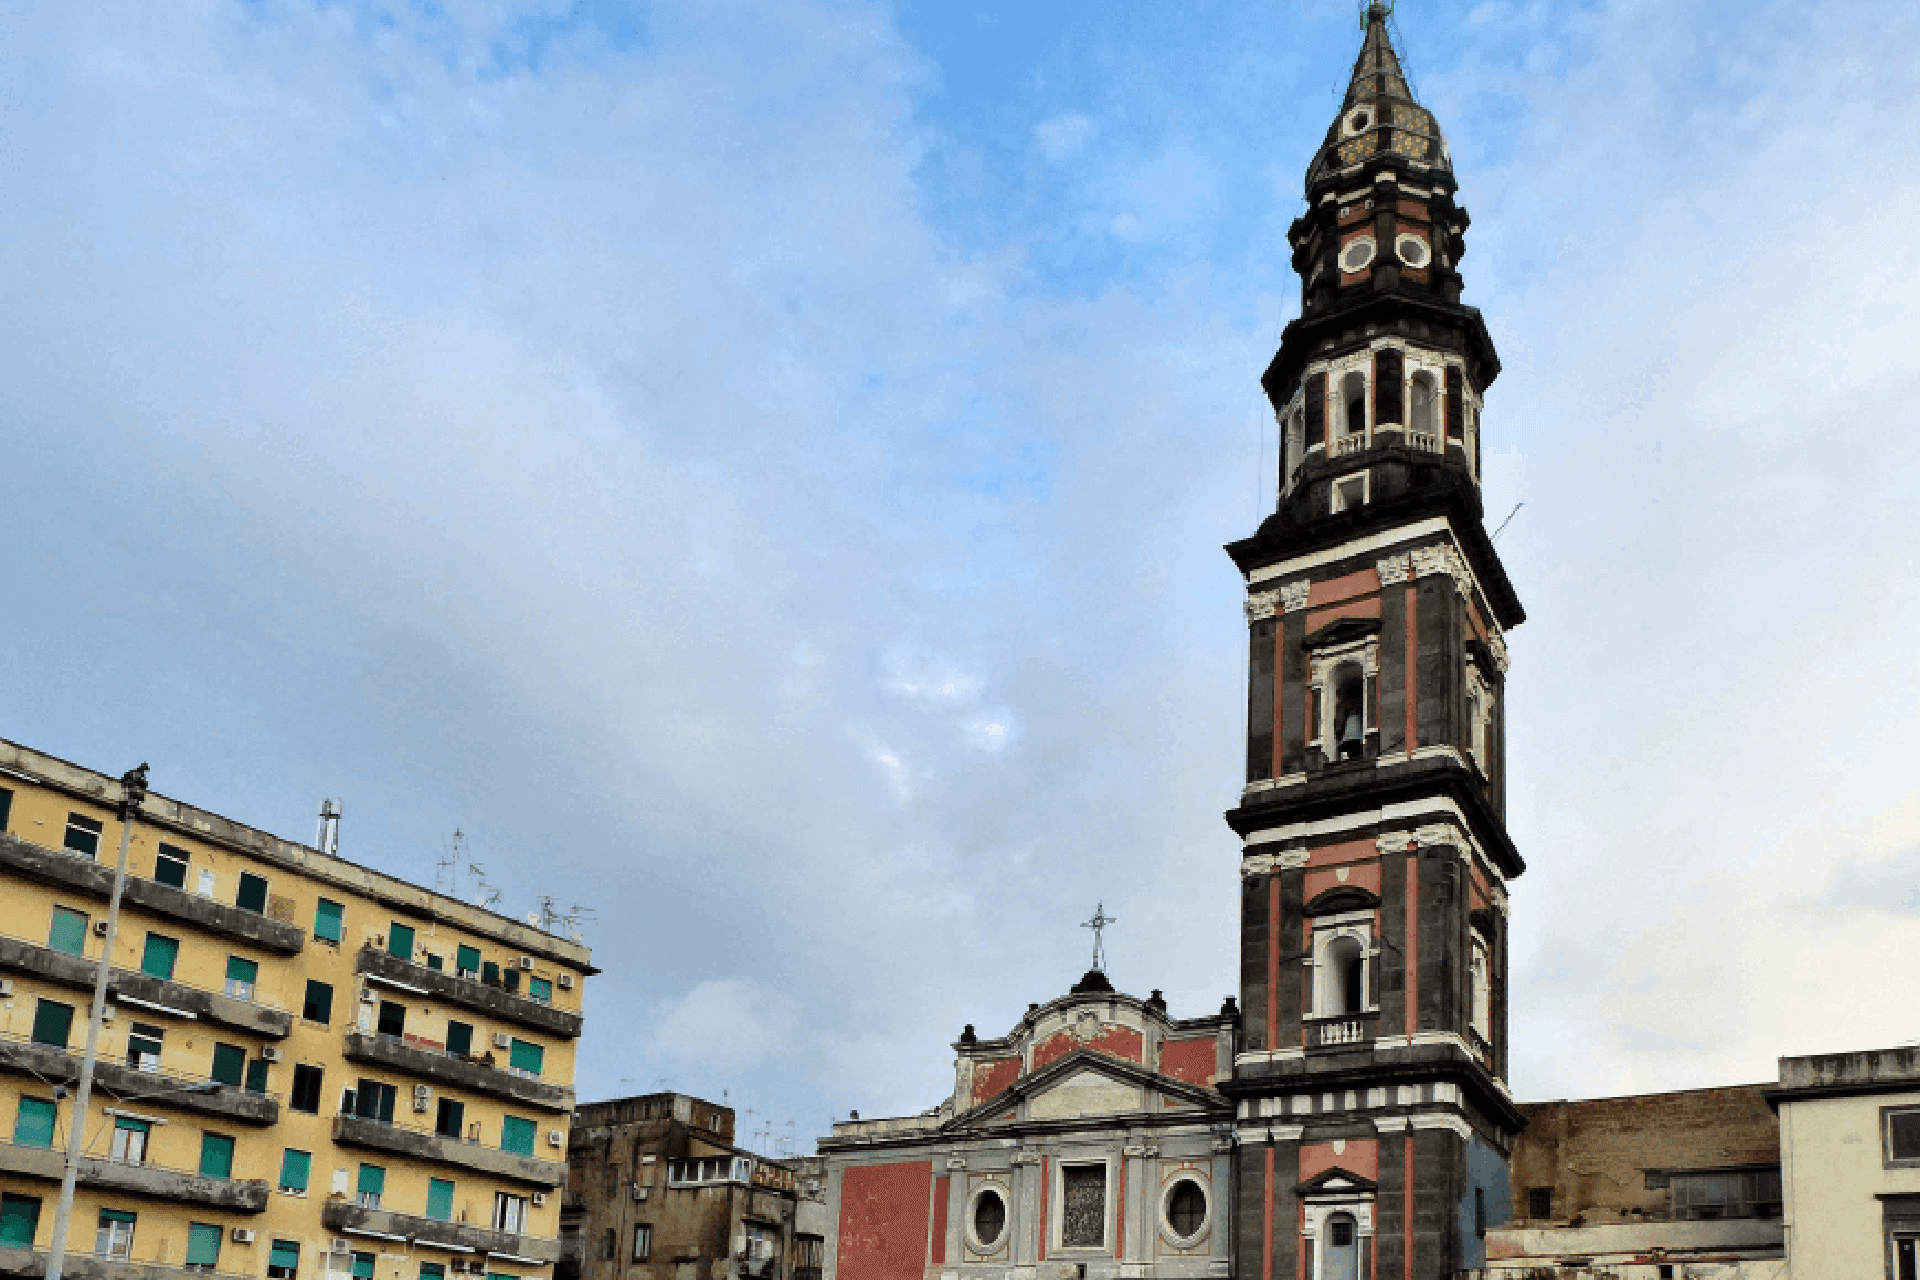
77	972
345	1216
470	994
15	1261
154	1090
95	879
1750	1237
353	1131
385	1051
236	1195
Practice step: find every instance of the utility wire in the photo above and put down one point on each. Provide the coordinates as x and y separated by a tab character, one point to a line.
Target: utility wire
1504	523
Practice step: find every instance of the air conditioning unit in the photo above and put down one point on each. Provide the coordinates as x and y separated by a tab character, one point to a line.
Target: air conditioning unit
6	986
421	1097
106	1013
566	982
269	1053
339	1245
379	939
555	1138
539	1199
473	1133
243	1235
501	1040
100	928
525	962
366	995
639	1192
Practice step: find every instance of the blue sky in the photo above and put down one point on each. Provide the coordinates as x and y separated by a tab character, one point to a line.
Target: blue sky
759	470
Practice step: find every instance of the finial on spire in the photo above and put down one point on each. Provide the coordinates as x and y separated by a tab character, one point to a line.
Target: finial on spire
1375	11
1098	924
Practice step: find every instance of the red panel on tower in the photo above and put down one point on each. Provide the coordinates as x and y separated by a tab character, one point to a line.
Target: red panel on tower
883	1221
1195	1061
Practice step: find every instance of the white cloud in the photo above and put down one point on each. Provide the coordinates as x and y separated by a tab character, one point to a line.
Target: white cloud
728	1025
1062	136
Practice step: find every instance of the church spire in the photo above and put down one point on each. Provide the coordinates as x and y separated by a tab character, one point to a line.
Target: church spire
1378	116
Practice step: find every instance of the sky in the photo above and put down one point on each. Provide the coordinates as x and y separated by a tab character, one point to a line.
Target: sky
759	470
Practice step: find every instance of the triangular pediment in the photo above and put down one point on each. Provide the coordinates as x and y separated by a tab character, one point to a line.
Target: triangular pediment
1085	1084
1335	1181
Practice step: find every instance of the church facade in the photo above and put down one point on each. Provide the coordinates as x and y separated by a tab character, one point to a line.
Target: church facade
1346	1114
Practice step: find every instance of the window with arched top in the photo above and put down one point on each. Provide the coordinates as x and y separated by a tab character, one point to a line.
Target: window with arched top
1347	960
1480	970
1349	712
1420	397
1340	1257
1353	402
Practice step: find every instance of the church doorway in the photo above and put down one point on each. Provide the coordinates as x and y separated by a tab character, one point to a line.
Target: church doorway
1342	1258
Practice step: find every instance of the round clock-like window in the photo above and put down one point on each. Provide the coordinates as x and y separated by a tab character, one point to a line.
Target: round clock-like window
1357	255
1357	120
988	1221
1413	251
1184	1211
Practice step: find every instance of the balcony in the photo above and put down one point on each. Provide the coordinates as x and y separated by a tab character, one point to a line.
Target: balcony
424	1144
21	956
468	993
22	1262
117	1081
348	1218
1342	1031
414	1060
147	1179
69	870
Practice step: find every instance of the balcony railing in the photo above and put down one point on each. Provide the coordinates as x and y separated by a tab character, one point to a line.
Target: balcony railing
1346	445
1424	442
423	1143
16	1260
347	1218
141	1178
469	993
1342	1030
161	995
116	1081
436	1063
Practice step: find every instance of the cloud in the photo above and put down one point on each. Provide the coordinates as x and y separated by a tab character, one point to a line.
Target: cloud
1062	136
728	1025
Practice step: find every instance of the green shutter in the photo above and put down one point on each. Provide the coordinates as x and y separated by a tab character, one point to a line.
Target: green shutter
240	969
216	1155
6	807
19	1219
400	941
52	1023
170	867
286	1253
229	1064
516	1135
362	1266
526	1056
540	989
467	959
372	1178
69	932
294	1166
459	1038
157	960
319	1002
439	1199
257	1075
326	921
433	1271
203	1244
253	893
33	1126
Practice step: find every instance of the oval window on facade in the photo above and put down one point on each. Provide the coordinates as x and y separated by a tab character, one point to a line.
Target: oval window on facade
1413	251
1186	1209
989	1220
1357	120
1357	255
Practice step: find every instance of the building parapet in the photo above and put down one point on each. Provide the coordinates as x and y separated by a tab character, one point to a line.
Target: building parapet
348	1218
29	1264
69	870
177	998
239	1195
198	1094
469	993
389	1051
1872	1071
382	1135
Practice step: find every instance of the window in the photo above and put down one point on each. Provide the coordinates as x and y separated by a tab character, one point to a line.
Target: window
170	866
1480	974
1726	1193
526	1058
52	1023
1341	969
252	895
466	962
1083	1206
318	1004
609	1246
642	1242
257	1075
1412	250
19	1220
6	807
710	1169
1186	1209
229	1064
1353	401
242	973
305	1095
1349	712
68	932
516	1135
540	989
83	835
326	921
216	1155
509	1212
295	1166
762	1242
371	1186
130	1140
33	1124
434	962
283	1261
159	955
1480	1212
113	1238
362	1266
1421	404
203	1246
143	1046
1906	1252
440	1199
451	1118
1540	1204
1342	1260
490	973
1903	1135
1357	255
373	1100
510	979
400	941
459	1039
1350	492
393	1019
433	1271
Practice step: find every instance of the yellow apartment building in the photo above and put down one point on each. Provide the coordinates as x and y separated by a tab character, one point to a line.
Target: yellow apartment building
309	1070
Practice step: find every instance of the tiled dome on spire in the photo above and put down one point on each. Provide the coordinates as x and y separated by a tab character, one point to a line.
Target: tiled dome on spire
1379	115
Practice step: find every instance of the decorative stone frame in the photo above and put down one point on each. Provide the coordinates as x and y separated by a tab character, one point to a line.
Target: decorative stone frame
1479	715
1886	1136
1367	242
1357	925
1057	1207
1173	1181
986	1187
1322	665
1322	1206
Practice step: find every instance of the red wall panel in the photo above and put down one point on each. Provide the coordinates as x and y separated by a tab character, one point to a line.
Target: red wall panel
883	1221
1194	1061
990	1078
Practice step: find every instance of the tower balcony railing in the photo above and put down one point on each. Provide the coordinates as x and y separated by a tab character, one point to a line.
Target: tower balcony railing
1341	1030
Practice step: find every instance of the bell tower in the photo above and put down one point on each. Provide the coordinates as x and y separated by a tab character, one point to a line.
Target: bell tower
1373	1120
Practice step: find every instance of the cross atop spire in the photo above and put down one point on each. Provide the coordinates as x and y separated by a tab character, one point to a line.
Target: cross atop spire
1098	924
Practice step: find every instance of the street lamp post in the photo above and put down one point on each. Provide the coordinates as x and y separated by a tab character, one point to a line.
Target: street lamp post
133	790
